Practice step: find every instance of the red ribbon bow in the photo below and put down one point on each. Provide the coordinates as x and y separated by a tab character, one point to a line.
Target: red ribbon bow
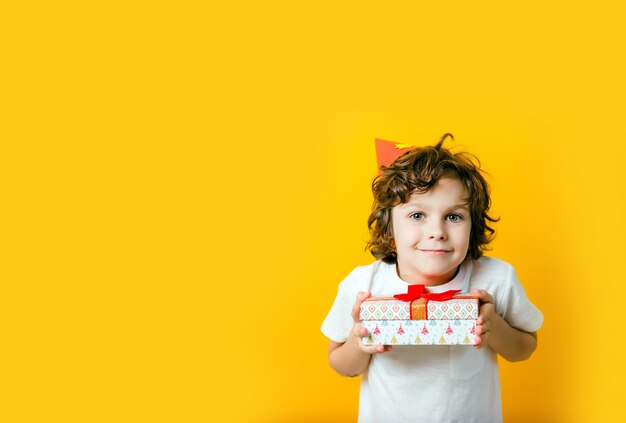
419	291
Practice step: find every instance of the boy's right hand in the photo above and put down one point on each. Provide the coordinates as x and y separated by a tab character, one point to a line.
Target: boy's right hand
358	331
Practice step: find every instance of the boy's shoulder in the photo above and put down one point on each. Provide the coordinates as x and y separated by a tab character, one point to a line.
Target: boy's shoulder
363	275
366	270
492	269
492	263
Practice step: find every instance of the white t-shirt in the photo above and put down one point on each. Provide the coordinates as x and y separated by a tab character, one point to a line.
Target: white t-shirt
440	383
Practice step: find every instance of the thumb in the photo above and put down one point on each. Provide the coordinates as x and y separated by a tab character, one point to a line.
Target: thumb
482	295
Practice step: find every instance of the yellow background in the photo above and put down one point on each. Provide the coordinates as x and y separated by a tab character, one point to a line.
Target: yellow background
184	184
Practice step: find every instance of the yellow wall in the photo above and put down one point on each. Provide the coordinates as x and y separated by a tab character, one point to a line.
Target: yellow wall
184	185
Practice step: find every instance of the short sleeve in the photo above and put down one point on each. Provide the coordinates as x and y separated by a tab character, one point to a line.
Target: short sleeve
515	307
338	322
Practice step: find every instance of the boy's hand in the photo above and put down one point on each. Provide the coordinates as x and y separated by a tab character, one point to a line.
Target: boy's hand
358	331
484	324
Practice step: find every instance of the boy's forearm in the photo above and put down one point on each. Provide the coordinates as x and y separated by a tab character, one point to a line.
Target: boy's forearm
348	359
511	343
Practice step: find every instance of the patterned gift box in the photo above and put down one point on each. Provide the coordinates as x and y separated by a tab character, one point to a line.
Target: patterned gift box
419	318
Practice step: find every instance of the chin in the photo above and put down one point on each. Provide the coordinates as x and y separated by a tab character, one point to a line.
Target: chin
436	274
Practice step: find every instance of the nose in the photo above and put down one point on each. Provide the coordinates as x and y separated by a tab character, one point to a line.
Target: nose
436	231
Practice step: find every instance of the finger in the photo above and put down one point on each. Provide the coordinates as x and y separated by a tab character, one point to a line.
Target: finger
482	295
477	344
484	339
483	318
361	295
482	329
359	331
486	313
377	349
356	310
481	339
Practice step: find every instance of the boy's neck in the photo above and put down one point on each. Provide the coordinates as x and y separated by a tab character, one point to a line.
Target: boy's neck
426	281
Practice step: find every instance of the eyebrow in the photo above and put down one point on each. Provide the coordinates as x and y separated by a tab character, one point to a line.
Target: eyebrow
423	206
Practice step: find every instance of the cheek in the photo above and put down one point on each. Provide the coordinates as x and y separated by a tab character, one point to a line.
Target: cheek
397	230
463	236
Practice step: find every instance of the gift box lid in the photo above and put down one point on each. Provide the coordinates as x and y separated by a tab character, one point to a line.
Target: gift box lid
451	306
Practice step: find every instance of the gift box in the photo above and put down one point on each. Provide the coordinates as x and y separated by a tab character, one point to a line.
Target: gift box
420	318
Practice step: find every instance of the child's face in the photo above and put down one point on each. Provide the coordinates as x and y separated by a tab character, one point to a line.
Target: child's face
431	232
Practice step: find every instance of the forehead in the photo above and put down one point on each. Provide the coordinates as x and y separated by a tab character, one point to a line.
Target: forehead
448	190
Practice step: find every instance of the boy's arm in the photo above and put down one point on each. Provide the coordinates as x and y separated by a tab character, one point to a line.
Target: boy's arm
351	358
493	331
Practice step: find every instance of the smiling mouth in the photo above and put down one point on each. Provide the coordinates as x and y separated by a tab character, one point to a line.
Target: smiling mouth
436	252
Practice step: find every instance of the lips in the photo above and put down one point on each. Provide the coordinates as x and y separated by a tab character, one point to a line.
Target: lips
438	251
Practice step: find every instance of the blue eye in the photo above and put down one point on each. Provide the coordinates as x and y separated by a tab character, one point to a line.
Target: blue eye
454	218
417	216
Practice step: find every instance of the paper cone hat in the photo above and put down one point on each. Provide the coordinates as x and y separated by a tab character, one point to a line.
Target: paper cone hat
388	151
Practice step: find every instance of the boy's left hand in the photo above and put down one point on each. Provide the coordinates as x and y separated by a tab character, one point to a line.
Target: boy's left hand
484	322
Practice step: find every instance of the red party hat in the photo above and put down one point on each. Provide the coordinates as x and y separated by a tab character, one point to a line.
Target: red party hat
388	151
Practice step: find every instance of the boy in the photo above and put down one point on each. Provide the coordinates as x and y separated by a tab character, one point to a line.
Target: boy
429	225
